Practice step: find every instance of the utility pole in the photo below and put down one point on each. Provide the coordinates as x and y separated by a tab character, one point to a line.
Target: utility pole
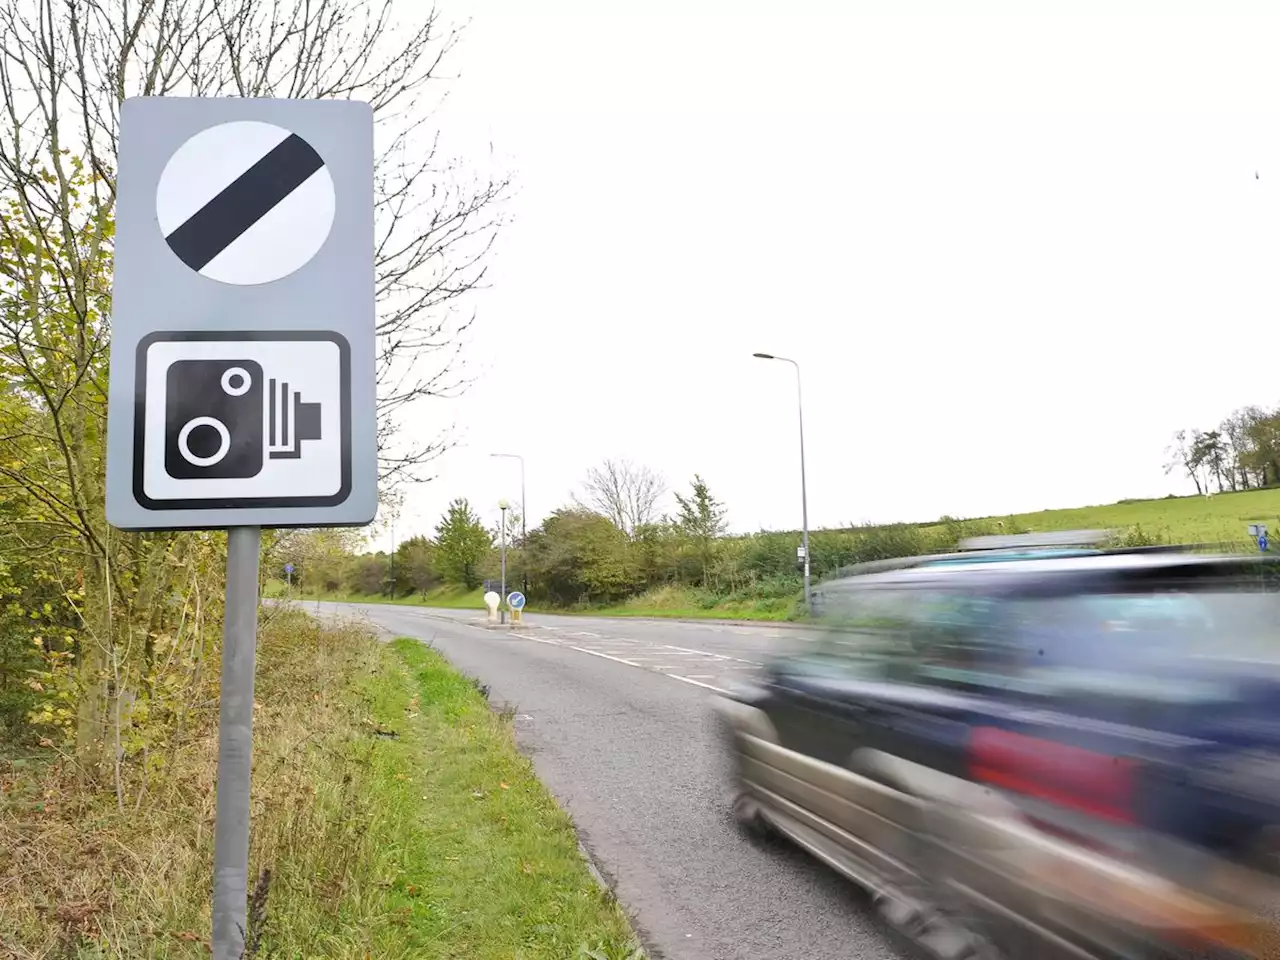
804	496
502	605
524	517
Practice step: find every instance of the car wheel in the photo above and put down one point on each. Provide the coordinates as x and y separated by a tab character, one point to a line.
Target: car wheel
748	817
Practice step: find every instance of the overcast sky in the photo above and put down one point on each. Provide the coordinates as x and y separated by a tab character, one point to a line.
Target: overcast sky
1011	252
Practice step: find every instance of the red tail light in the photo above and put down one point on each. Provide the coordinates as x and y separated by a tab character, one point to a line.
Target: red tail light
1093	783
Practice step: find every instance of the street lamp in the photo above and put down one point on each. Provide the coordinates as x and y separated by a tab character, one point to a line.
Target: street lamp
804	496
524	545
504	507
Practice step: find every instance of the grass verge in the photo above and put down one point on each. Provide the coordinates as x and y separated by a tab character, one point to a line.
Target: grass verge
448	597
685	604
666	602
393	818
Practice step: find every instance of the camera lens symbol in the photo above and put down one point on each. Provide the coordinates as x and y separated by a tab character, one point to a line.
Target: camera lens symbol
224	439
214	419
236	381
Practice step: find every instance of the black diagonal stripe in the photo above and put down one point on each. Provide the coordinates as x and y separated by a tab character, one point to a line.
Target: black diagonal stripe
217	224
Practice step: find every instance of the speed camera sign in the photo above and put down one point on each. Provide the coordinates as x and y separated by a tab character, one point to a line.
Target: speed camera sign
242	387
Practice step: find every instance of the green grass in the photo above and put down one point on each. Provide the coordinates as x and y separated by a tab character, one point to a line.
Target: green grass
1221	518
390	805
671	602
457	844
450	597
684	604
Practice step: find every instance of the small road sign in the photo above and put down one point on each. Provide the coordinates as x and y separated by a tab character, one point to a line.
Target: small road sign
242	388
289	568
516	600
1262	542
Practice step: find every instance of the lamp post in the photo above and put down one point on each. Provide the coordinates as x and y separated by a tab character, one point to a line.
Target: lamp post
502	605
524	514
804	496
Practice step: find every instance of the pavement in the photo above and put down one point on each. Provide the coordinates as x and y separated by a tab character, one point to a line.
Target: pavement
615	715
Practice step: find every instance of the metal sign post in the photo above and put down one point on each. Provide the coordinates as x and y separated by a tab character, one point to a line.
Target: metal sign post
503	506
235	745
242	392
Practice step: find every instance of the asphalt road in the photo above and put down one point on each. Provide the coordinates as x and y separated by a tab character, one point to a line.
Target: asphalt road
616	717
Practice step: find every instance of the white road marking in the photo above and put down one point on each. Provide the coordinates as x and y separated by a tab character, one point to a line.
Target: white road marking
699	683
717	656
695	681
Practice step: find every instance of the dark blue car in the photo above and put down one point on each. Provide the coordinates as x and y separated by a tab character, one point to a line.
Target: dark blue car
1072	753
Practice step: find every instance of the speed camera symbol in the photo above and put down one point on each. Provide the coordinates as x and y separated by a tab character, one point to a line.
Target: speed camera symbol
233	420
215	414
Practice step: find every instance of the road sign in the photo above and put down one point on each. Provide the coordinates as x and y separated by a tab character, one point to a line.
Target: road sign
242	388
288	568
516	600
1262	543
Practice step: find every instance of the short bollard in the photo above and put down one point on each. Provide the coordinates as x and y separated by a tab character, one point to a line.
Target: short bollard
491	600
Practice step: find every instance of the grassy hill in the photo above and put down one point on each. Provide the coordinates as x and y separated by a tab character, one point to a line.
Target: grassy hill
1219	518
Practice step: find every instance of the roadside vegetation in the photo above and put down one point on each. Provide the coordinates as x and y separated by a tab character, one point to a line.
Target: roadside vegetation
110	641
609	552
393	817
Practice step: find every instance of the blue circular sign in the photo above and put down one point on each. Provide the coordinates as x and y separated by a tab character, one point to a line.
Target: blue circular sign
1262	542
516	599
288	568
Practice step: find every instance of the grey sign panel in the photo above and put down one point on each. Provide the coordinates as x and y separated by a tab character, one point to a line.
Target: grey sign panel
243	387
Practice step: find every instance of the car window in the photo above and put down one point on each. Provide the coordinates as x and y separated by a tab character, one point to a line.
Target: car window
862	633
1167	645
961	641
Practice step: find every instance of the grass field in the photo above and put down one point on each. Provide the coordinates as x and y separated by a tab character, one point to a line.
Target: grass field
1220	518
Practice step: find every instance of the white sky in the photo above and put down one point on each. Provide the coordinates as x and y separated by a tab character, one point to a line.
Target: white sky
1012	252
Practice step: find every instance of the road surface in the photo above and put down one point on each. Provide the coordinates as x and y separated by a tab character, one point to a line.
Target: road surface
615	715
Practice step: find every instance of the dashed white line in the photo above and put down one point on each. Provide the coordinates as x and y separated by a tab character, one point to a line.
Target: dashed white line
694	680
708	653
699	683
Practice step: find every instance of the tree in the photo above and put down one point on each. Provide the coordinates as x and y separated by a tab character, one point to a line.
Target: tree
1180	458
701	522
461	545
625	493
579	556
1235	431
415	563
65	68
1209	454
367	574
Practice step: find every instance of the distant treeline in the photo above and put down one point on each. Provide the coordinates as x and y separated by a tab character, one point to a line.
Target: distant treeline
610	544
1241	453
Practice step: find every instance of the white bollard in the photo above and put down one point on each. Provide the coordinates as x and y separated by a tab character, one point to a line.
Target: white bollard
492	600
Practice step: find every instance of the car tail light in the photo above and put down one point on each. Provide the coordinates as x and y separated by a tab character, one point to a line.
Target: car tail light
1093	783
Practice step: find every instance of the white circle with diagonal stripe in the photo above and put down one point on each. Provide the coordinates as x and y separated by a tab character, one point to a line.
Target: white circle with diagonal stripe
245	202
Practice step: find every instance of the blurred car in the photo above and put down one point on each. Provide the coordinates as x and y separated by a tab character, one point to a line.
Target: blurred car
1069	752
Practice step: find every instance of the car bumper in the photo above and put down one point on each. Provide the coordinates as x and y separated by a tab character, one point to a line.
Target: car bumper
1099	902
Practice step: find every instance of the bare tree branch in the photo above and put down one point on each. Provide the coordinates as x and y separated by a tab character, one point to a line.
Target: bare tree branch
624	492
